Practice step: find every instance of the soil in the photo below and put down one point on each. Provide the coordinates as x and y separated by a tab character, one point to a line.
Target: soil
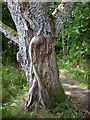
80	94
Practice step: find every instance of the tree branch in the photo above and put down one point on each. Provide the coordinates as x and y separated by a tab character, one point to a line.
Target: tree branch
61	13
9	33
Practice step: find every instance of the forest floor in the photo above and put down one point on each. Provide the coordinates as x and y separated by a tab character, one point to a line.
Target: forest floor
14	95
80	94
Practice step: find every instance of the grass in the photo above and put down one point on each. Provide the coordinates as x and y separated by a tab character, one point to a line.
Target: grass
77	72
13	82
68	109
14	95
13	85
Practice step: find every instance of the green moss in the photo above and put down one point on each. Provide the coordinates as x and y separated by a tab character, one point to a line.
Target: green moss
60	96
53	27
52	98
12	32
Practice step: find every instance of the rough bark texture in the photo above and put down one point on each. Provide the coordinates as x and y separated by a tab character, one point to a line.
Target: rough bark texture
36	30
63	14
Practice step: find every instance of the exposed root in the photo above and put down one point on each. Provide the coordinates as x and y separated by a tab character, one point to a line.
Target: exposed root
30	94
29	104
31	107
39	86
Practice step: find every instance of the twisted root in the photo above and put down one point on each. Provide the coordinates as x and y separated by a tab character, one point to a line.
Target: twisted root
36	78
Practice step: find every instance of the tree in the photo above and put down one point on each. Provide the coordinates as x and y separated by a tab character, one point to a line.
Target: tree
36	31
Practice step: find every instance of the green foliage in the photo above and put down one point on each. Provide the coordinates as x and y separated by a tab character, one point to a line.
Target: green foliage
6	17
53	5
76	29
9	48
74	71
12	82
72	45
13	85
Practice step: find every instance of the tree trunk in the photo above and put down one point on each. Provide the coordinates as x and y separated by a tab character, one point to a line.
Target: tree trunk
68	45
36	30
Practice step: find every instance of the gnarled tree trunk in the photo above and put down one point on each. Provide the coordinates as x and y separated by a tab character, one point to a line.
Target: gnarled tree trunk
36	31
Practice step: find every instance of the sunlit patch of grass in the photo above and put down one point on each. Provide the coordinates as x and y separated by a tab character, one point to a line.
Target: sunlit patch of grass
77	73
62	71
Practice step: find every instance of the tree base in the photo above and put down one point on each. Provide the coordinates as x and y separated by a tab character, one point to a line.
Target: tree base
37	97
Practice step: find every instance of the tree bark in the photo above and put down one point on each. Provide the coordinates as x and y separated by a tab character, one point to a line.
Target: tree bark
36	31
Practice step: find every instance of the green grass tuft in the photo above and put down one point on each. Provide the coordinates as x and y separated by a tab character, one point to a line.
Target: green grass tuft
75	71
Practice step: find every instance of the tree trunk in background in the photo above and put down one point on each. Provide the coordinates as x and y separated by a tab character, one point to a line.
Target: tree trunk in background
68	45
12	50
36	30
63	42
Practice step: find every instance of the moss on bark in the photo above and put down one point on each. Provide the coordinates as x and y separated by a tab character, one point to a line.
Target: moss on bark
60	96
12	31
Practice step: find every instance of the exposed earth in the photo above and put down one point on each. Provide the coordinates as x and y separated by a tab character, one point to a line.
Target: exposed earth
80	94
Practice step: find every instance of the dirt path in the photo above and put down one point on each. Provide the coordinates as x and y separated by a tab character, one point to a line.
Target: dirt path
79	93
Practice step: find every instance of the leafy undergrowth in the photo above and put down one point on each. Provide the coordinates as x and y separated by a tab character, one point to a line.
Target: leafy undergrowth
13	98
73	70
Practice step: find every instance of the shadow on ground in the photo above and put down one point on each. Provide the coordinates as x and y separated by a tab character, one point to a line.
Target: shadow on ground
79	93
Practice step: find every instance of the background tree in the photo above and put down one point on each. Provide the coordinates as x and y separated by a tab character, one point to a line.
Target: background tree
76	34
74	64
35	36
